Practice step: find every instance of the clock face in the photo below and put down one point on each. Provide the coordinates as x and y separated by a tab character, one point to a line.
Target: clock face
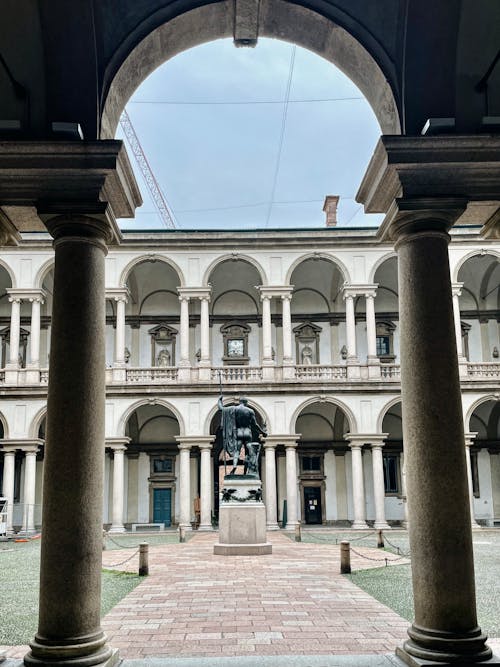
235	347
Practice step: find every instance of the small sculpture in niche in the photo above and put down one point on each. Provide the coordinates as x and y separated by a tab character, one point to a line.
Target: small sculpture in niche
163	358
343	352
307	355
127	355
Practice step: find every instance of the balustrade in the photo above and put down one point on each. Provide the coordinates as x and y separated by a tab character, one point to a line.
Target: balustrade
237	374
142	375
316	372
390	372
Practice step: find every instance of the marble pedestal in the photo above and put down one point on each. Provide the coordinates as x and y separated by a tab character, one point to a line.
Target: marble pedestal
242	518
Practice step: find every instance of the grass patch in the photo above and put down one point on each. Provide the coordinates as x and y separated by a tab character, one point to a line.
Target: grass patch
19	586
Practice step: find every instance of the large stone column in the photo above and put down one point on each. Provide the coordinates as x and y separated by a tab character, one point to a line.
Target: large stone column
119	447
270	488
121	301
29	489
469	440
445	627
15	330
185	484
267	351
69	630
352	356
358	486
378	482
36	303
205	485
204	331
9	462
287	327
291	484
184	373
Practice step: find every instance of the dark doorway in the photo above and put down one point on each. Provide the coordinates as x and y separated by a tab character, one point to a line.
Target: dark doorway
162	506
312	504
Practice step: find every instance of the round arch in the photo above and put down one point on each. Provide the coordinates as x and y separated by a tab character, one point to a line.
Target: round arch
318	255
378	264
234	257
152	257
251	404
385	410
36	422
43	272
10	273
122	422
5	426
470	255
475	405
353	428
166	35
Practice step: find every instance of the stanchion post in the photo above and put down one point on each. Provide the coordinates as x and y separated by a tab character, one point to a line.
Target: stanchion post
104	540
380	539
345	557
182	534
298	535
143	559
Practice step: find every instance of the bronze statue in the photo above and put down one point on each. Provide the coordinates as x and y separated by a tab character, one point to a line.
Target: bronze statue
240	429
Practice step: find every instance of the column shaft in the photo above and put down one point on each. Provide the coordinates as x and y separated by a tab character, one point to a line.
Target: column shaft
205	331
120	333
15	327
458	325
184	331
468	443
350	327
287	328
35	334
291	487
440	540
358	488
205	489
267	351
378	487
185	486
71	550
271	497
118	490
371	329
9	462
29	491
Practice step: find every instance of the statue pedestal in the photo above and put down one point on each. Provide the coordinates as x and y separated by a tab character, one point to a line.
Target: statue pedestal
242	518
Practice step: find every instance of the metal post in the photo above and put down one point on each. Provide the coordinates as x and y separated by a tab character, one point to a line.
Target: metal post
143	559
345	557
298	536
380	539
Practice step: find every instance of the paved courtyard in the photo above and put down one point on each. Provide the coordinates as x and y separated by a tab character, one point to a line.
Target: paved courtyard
293	602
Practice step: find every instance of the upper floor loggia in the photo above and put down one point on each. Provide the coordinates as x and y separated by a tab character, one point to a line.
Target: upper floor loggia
273	306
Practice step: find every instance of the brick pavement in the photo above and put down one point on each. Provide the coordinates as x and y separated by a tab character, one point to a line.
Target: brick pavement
293	602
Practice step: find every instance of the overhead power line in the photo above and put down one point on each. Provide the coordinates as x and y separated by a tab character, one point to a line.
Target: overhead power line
245	102
152	184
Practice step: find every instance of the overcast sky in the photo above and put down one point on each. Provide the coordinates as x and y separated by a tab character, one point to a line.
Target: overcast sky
229	152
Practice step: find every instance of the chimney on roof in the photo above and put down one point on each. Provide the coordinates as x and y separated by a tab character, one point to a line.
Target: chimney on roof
330	208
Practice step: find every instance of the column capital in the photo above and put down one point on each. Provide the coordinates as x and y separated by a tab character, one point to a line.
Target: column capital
360	439
419	179
22	444
288	440
117	444
271	291
118	294
188	441
456	289
359	289
26	294
469	438
14	295
205	442
195	292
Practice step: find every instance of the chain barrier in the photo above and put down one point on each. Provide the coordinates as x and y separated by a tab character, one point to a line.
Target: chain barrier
398	549
123	561
378	560
122	546
328	540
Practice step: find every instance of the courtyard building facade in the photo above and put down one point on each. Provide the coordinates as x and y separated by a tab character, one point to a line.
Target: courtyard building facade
306	325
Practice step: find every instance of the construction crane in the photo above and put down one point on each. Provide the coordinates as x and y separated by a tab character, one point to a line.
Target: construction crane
159	200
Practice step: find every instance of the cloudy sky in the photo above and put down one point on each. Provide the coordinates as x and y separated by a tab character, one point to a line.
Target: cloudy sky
252	138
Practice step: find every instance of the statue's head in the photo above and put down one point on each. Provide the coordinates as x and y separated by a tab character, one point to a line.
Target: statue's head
243	400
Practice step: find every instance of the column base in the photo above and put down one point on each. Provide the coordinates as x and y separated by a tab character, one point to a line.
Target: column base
119	528
187	527
184	373
268	370
272	526
119	374
11	376
291	526
32	375
205	527
359	525
431	647
92	653
288	371
353	369
381	525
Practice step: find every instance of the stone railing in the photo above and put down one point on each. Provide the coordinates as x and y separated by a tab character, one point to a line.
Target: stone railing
237	374
154	375
484	370
390	372
321	373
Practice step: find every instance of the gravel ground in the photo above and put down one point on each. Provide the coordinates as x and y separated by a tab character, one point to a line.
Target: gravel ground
19	571
392	585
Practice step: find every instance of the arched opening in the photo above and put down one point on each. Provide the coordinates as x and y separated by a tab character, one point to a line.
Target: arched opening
485	461
5	309
393	460
323	464
387	311
480	308
151	467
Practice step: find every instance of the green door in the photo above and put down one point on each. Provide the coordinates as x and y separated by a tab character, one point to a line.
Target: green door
162	506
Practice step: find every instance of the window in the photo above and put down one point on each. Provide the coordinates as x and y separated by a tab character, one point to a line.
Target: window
391	473
383	346
311	463
162	465
475	474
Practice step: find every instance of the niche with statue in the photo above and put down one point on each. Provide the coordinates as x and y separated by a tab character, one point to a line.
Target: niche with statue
307	343
163	345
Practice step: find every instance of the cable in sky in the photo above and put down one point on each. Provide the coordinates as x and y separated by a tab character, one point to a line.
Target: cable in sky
282	134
